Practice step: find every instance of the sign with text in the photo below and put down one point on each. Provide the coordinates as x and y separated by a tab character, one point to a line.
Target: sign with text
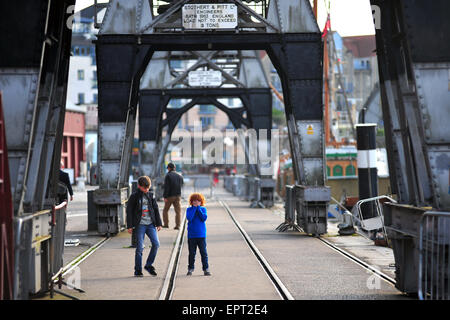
210	16
208	78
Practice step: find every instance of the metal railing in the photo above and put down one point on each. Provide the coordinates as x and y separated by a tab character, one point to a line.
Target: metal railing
434	256
289	211
374	223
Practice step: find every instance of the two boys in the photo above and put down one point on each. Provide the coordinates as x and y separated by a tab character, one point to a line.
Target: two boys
143	216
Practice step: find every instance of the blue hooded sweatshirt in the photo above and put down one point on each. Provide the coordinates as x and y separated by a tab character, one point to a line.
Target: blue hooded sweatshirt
196	217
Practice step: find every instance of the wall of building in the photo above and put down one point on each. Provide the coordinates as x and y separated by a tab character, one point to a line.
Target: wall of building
73	147
82	88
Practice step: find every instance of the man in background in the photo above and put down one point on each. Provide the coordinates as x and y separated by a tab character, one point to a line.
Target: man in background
172	195
64	178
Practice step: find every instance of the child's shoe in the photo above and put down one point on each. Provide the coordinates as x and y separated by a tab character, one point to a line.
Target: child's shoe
138	274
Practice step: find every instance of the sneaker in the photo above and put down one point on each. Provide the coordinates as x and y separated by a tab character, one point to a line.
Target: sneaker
151	270
189	273
138	274
206	272
176	228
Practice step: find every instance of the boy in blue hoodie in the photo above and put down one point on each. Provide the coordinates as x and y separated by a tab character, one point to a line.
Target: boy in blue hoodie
196	217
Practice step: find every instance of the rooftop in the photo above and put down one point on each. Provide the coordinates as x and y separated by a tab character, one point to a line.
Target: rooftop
361	46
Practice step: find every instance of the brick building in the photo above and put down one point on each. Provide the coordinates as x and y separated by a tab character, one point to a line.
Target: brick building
73	149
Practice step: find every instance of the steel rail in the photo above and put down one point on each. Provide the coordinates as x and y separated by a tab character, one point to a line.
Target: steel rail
80	258
278	284
172	270
358	261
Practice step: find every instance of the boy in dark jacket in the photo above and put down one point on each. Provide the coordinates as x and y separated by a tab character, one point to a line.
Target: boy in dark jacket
196	217
143	216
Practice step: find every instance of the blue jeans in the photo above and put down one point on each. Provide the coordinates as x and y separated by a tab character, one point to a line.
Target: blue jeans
201	244
141	231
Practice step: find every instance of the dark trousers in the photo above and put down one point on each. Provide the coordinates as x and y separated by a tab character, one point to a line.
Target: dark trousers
201	244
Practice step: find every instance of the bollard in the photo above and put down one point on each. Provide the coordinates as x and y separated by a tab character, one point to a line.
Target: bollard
92	212
367	166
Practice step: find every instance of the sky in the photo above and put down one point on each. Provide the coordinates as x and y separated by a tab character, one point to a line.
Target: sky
348	17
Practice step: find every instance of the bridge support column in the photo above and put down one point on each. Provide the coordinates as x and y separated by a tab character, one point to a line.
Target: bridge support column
298	59
119	68
259	106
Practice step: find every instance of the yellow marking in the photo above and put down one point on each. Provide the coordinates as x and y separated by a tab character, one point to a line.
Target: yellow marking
40	239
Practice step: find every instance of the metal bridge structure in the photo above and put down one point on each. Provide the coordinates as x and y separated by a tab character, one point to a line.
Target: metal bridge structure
413	52
34	63
244	78
138	36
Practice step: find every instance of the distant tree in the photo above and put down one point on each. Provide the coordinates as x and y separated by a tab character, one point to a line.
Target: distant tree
278	117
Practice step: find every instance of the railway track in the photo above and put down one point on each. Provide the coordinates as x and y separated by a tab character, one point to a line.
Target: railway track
170	280
169	283
67	269
358	261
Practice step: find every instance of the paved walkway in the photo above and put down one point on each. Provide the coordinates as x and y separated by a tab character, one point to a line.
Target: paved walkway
236	274
308	268
108	273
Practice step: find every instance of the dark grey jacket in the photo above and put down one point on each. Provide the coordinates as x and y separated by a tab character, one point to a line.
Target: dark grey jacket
134	209
172	184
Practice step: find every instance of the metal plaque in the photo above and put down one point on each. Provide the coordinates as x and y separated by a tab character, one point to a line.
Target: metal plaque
208	78
210	16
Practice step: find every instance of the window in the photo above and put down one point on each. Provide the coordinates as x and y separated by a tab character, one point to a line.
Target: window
337	171
176	64
80	74
207	121
94	79
350	170
81	98
205	108
95	98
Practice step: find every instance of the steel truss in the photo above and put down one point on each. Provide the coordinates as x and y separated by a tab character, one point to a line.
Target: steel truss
33	78
414	60
126	45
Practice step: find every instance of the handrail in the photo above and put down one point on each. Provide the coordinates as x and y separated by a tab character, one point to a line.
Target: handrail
360	217
432	275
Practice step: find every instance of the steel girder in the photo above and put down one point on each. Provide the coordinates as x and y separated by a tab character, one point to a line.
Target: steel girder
414	54
414	61
241	69
33	78
290	35
153	103
139	17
